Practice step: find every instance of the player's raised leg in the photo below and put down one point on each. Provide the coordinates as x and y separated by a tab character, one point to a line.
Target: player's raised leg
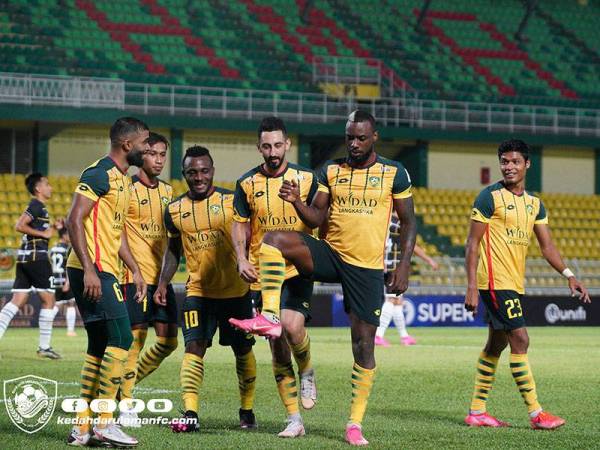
11	309
276	248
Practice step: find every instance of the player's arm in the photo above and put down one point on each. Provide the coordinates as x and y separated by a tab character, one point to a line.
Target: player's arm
552	255
313	214
126	256
80	209
398	280
420	253
476	233
240	232
22	226
170	263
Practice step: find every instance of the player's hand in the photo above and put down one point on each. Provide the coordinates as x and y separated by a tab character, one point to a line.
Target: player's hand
289	191
397	280
579	290
92	289
247	271
141	288
160	295
472	300
433	264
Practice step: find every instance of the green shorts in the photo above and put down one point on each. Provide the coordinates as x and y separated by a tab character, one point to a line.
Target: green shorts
110	306
202	316
147	311
503	309
295	295
362	288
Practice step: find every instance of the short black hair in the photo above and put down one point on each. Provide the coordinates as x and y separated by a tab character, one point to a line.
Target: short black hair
62	231
155	138
194	152
32	180
360	115
123	127
272	123
514	145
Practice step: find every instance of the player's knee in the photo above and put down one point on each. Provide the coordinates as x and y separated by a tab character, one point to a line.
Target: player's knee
125	341
274	239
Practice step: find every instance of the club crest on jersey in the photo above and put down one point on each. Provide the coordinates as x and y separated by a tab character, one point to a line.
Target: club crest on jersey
215	209
164	200
374	181
529	209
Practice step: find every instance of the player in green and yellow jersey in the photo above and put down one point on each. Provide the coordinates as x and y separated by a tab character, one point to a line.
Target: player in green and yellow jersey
96	227
147	239
199	224
354	202
503	219
258	210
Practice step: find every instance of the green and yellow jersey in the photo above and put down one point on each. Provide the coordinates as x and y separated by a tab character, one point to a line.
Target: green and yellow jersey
205	230
145	229
360	206
503	249
257	201
110	189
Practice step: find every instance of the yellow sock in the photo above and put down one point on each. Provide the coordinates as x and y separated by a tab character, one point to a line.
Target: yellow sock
272	276
191	377
111	375
362	383
245	367
139	337
151	358
486	370
287	386
519	366
89	385
301	354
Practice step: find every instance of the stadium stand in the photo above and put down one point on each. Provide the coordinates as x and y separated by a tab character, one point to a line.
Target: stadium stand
259	44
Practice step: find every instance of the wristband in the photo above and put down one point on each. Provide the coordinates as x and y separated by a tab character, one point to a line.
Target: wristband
567	273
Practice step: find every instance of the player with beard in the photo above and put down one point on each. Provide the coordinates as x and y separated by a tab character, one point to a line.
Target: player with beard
96	227
361	190
258	210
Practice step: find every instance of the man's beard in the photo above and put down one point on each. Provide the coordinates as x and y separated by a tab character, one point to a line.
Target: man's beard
275	163
360	159
135	158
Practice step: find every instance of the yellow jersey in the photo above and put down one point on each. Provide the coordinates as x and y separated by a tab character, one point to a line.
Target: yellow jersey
257	201
360	206
205	230
145	228
503	249
110	189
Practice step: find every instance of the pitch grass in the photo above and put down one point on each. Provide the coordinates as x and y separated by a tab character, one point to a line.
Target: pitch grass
420	397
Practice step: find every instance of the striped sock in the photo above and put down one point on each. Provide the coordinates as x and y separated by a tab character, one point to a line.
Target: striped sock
139	337
191	377
362	383
521	372
154	355
272	276
486	370
45	323
287	386
71	316
245	366
301	354
6	315
110	378
89	385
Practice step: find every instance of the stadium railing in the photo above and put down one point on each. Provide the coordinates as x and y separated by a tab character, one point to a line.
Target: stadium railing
408	110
